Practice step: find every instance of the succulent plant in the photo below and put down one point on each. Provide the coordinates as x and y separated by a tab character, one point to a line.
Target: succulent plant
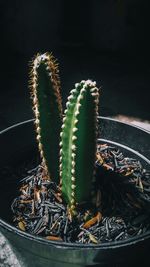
78	143
67	145
47	106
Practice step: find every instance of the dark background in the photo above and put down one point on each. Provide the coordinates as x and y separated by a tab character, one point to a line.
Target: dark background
105	40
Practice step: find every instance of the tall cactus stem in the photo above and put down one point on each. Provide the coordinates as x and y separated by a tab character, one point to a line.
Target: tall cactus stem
78	143
44	85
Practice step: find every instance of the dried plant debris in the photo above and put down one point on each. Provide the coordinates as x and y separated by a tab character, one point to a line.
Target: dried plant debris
124	177
121	210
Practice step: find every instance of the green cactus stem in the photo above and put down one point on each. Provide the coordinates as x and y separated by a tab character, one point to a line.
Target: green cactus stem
47	106
78	143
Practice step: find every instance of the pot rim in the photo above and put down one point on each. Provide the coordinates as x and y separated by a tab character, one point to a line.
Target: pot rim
65	245
99	117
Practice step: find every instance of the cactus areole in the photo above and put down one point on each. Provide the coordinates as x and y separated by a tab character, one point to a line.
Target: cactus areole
67	143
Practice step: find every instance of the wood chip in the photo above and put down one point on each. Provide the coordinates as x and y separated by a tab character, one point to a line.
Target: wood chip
99	158
26	201
53	238
92	221
23	187
21	225
107	167
141	185
58	197
93	239
37	195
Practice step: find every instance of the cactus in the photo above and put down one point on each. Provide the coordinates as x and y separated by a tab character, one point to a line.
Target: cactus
67	145
47	106
78	143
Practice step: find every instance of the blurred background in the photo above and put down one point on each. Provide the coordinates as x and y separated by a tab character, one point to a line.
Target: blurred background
104	40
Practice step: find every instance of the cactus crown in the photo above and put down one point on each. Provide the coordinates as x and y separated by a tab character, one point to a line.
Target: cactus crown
74	138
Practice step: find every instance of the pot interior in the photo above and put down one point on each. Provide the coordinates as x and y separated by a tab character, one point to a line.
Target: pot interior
19	148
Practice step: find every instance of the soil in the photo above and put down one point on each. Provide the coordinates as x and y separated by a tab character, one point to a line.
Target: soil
120	207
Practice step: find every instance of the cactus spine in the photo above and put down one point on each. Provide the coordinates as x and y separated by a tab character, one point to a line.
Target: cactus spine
78	143
47	107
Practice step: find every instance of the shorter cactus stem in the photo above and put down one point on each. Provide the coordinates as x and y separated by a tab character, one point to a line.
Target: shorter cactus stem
78	143
47	107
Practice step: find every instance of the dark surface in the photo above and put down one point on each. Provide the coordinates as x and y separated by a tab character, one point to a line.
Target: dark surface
124	81
107	41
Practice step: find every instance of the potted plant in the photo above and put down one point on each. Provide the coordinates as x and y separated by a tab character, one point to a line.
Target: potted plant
67	145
